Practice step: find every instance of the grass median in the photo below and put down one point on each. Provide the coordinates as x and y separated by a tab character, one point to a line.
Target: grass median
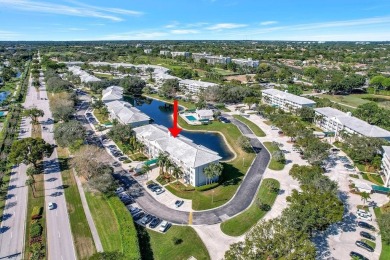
81	232
243	222
274	164
255	128
385	253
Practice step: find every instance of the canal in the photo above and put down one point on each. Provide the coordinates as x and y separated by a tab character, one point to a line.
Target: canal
161	113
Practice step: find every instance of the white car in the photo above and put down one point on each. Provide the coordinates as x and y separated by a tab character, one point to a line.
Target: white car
362	211
164	226
51	206
363	216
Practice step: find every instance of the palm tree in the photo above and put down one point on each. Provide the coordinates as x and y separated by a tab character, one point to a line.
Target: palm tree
31	171
146	169
30	181
365	196
168	165
176	171
213	170
162	158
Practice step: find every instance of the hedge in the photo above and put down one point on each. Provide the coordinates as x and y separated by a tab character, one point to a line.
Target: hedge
36	211
35	230
129	236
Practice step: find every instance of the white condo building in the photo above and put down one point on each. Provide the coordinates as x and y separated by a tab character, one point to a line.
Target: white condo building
284	100
85	77
126	114
246	62
194	86
334	120
112	93
385	167
180	53
165	53
190	157
211	59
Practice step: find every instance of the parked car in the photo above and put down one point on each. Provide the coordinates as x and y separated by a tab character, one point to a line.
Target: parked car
146	219
164	226
155	222
363	216
367	235
138	216
364	246
358	256
349	167
156	187
178	203
364	212
365	225
134	211
116	164
151	186
119	190
122	158
159	191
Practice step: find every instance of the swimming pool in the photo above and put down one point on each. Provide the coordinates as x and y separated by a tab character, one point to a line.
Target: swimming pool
191	118
1	113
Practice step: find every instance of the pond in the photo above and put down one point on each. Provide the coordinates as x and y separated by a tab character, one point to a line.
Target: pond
3	96
161	113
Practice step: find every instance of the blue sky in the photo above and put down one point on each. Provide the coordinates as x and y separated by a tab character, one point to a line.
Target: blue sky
355	20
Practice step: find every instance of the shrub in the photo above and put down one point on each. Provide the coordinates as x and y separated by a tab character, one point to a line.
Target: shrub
177	241
207	187
36	230
35	217
37	211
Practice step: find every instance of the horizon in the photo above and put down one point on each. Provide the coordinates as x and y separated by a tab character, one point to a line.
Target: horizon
247	20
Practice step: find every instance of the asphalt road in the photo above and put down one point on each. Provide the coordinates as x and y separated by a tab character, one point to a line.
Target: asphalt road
242	199
59	235
12	230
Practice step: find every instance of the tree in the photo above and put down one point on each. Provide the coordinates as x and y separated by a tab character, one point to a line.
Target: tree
98	104
212	171
29	150
176	171
132	85
365	196
146	168
34	113
362	149
245	144
150	70
272	239
69	133
384	225
161	160
169	88
31	182
121	133
250	101
294	89
31	171
103	182
307	114
89	161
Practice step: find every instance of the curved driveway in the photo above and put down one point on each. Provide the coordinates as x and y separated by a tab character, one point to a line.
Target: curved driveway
241	200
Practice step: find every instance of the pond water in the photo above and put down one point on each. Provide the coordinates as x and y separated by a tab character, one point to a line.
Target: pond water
161	113
3	95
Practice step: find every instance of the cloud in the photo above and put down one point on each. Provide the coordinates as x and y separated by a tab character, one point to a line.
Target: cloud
221	26
135	35
184	31
78	9
172	24
268	22
7	35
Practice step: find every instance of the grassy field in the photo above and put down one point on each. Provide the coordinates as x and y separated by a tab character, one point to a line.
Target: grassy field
183	103
103	119
108	230
385	254
255	128
374	178
81	232
114	224
356	100
103	75
273	165
177	243
241	223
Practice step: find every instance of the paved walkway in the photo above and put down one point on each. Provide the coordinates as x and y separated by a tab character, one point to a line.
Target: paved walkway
13	224
88	215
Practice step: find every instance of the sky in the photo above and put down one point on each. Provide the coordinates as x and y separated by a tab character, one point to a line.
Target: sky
299	20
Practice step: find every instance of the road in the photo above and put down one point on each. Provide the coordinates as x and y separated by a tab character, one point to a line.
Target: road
12	231
59	235
242	199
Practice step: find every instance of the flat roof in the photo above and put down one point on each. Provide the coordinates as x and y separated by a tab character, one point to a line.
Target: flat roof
288	96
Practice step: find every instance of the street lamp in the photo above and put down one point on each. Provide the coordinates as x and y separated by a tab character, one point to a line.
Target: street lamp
212	197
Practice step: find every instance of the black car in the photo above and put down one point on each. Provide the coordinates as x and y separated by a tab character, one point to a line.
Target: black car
138	216
155	187
155	222
367	235
364	246
357	255
150	186
365	225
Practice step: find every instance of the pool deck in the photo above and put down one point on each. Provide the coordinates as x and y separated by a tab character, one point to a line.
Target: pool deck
190	122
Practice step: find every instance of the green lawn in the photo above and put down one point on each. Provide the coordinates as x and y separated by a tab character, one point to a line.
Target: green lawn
103	119
187	105
255	128
356	100
241	223
385	254
103	75
114	224
105	222
374	178
81	232
273	165
354	176
158	246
